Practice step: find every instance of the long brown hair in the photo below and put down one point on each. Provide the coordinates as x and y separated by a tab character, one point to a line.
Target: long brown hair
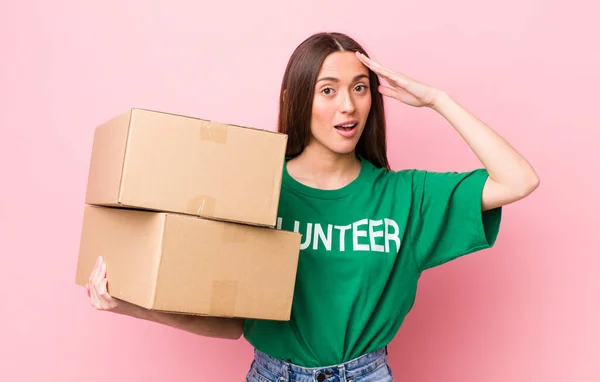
297	92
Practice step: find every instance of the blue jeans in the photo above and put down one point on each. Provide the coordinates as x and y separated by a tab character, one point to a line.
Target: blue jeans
371	367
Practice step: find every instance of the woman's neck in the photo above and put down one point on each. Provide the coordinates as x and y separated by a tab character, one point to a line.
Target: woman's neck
324	169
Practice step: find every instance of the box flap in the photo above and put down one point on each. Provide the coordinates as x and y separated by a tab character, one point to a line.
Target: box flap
107	161
130	242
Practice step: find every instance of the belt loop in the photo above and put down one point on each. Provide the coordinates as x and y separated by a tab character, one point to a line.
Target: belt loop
286	371
342	370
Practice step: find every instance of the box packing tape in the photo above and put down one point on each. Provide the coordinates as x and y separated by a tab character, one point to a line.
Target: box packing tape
224	293
215	132
202	206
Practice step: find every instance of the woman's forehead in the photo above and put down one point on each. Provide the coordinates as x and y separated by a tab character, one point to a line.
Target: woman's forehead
342	65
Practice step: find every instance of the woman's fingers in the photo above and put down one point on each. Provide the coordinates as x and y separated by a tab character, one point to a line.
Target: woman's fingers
94	296
91	277
95	272
102	273
103	290
101	298
99	269
94	283
105	296
97	287
388	74
99	272
388	91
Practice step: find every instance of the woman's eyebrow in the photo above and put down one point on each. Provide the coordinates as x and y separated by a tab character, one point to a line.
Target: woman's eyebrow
333	79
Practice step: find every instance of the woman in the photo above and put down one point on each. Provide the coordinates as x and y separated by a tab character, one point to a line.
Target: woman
367	232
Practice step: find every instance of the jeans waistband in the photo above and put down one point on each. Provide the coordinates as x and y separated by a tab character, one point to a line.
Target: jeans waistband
351	369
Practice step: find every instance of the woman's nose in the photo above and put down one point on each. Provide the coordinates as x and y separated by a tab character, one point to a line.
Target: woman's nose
347	103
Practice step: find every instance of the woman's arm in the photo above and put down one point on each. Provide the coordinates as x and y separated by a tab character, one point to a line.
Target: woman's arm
227	328
511	177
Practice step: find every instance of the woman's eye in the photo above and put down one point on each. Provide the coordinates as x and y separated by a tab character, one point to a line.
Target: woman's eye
327	91
361	88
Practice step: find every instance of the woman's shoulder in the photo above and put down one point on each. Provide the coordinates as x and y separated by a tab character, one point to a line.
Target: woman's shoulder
382	174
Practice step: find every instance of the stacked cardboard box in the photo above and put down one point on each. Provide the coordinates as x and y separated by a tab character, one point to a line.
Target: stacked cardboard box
183	211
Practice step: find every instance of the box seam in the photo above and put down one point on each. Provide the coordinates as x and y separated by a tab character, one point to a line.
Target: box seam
159	260
119	197
277	133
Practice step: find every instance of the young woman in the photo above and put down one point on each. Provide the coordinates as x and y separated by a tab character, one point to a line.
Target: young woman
368	232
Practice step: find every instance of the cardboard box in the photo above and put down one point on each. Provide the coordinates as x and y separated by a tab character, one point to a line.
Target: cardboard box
184	264
151	160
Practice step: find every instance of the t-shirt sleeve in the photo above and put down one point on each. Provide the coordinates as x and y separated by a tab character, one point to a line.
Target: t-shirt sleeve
446	219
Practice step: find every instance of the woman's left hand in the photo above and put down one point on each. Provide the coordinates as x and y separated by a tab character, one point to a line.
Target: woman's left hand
402	87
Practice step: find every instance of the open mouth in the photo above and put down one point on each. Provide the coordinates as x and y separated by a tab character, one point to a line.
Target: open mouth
346	126
347	129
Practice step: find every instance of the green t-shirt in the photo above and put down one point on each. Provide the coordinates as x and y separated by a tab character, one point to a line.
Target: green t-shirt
363	249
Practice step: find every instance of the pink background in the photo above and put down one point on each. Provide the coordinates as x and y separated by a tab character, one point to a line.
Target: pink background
526	310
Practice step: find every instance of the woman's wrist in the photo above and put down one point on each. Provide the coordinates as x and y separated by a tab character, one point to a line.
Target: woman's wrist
129	309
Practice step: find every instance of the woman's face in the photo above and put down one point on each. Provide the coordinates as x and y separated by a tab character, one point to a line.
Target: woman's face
341	103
